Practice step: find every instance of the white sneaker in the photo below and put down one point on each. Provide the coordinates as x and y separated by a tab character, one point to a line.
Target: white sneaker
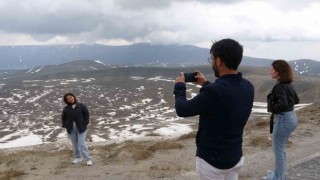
266	177
89	163
77	160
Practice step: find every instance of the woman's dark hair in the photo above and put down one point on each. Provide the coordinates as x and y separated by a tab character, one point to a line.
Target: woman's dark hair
69	94
229	51
284	70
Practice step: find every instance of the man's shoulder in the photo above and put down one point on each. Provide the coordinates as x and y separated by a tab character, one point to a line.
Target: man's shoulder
212	87
223	84
247	81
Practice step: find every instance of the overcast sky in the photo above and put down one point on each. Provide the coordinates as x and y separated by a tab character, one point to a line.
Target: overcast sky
273	29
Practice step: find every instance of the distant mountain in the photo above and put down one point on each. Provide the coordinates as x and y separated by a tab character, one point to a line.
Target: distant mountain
308	87
136	55
251	61
131	55
74	66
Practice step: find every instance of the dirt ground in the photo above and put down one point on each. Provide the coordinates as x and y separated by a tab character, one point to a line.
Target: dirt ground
170	159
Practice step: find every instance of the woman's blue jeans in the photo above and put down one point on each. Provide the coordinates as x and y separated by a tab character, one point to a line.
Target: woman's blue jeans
79	144
285	124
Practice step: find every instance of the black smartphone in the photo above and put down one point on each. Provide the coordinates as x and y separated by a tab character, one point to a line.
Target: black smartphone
190	77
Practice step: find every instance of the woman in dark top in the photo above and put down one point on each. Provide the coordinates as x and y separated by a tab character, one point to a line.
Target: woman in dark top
281	101
75	118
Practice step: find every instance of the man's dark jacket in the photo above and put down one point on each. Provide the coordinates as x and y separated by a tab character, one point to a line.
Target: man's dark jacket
79	115
224	108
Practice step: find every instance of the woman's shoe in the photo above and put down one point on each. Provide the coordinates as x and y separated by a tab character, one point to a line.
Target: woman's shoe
77	160
89	163
266	177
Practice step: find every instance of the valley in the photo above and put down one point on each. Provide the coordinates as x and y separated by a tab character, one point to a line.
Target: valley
125	103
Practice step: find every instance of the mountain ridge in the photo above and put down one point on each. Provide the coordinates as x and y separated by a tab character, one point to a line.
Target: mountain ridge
140	54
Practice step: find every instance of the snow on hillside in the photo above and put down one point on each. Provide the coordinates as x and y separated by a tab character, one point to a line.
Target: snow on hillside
143	107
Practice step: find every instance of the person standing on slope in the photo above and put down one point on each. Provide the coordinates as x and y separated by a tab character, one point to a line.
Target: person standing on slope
223	108
281	101
75	118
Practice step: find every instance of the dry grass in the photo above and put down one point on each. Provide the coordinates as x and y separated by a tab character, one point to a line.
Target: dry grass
249	126
262	124
289	143
191	135
309	114
138	150
12	159
61	167
260	141
255	124
165	145
105	148
6	158
152	134
27	153
9	174
163	170
303	118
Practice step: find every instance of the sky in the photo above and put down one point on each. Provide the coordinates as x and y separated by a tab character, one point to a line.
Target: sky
275	29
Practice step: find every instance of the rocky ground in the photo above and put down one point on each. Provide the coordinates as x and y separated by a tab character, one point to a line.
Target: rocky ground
166	158
308	168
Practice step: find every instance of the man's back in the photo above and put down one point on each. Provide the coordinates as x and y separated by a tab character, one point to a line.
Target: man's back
222	122
224	108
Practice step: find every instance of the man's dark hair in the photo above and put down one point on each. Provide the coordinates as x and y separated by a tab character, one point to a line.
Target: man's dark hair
229	51
69	94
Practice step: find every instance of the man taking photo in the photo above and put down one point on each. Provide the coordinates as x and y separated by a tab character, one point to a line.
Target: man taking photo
224	107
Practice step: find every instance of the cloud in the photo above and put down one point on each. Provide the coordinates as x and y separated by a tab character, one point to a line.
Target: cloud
187	20
196	22
282	49
142	4
149	4
44	17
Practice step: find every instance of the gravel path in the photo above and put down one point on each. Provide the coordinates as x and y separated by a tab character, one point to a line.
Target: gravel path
306	169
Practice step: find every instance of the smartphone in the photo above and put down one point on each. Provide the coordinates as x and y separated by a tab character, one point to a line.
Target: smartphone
190	77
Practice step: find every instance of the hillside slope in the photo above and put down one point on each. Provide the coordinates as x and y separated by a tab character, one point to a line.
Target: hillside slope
307	86
164	159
